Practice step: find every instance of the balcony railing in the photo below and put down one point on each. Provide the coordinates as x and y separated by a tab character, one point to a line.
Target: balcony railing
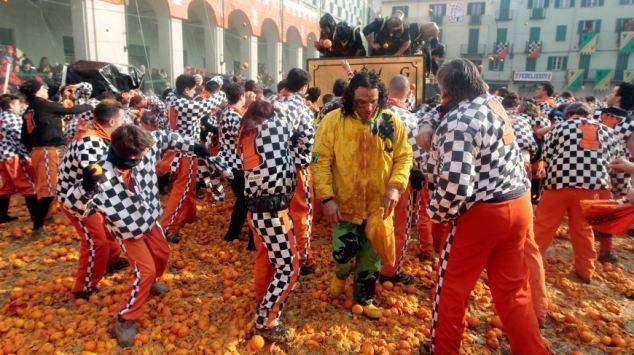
538	13
473	50
475	20
504	15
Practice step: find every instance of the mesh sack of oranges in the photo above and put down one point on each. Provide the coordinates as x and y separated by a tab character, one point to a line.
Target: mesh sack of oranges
379	230
608	216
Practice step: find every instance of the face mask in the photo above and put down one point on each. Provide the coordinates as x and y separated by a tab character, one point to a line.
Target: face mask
121	163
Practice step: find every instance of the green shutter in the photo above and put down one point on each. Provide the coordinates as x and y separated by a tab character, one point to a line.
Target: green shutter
444	9
580	27
531	64
572	3
469	9
550	63
534	34
584	63
564	65
621	65
561	33
546	4
6	36
601	2
505	5
474	35
619	24
501	36
530	4
557	4
597	26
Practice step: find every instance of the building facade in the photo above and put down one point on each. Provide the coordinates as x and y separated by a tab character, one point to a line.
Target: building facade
250	37
584	46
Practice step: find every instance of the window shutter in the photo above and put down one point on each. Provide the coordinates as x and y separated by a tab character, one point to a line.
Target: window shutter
444	9
572	3
545	4
580	28
601	2
469	9
550	63
564	64
597	26
557	4
530	4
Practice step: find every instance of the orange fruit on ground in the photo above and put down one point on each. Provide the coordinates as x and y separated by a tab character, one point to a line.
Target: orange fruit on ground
570	318
606	340
90	346
183	331
357	309
496	322
473	321
388	285
256	343
179	264
348	303
366	349
493	343
585	336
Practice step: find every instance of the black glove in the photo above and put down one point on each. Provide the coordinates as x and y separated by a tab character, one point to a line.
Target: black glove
92	176
201	150
416	179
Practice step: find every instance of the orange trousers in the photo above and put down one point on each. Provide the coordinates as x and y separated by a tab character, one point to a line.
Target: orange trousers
181	204
16	177
45	160
98	250
276	263
550	212
301	211
148	259
500	249
411	209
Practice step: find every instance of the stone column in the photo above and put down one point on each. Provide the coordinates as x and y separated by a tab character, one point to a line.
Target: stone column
99	31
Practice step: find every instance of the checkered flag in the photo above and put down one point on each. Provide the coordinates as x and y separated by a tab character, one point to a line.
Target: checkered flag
534	49
502	50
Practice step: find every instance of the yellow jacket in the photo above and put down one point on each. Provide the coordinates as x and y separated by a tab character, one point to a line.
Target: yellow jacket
355	161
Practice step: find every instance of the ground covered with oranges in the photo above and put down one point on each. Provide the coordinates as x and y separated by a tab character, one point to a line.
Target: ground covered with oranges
210	306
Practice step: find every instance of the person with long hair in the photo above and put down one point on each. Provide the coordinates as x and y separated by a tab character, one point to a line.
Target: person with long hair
361	165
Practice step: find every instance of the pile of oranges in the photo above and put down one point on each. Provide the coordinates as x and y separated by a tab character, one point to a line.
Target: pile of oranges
210	307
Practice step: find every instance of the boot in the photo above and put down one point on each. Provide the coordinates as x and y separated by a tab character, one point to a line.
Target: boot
173	238
124	331
85	294
402	278
4	210
608	257
31	205
120	264
277	334
158	289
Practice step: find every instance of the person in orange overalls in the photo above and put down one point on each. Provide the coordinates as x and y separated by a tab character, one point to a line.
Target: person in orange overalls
99	251
42	134
301	207
124	189
577	152
185	115
481	186
16	171
265	149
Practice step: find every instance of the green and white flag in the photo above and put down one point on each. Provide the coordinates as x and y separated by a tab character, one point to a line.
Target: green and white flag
575	79
626	42
588	43
603	80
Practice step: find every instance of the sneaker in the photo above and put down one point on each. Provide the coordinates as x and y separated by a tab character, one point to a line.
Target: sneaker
402	278
85	294
608	257
373	312
7	219
124	331
277	334
585	279
308	269
173	238
158	289
336	287
118	265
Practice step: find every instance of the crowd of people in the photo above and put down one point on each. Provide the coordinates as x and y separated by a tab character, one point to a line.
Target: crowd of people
362	159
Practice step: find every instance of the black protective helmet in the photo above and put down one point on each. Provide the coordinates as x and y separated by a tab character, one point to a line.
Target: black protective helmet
327	21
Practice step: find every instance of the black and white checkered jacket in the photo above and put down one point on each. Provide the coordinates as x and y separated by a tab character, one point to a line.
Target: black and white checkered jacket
128	214
189	113
228	127
538	122
575	161
84	91
411	123
523	132
301	118
79	154
10	144
275	176
474	158
618	120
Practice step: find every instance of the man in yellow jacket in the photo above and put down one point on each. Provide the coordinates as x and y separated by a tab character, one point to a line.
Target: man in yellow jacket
361	164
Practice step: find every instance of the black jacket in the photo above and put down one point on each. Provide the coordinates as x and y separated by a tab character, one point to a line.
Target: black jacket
42	123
